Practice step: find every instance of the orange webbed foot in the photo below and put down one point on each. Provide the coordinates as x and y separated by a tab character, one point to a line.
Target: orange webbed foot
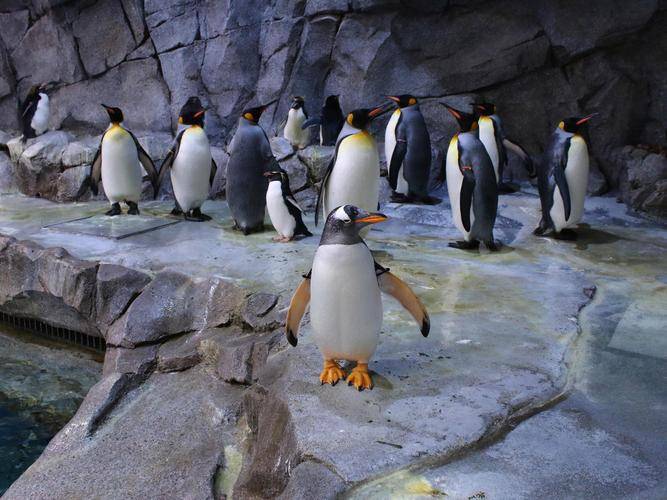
360	377
331	373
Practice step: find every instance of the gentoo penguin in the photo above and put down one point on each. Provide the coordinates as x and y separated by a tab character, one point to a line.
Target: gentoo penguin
250	157
284	211
296	117
407	148
118	163
191	164
35	112
492	135
563	178
472	185
331	121
353	174
343	289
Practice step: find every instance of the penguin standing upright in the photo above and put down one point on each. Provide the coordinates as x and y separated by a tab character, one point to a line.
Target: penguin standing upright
35	112
492	135
190	162
331	121
471	184
353	174
284	211
563	178
408	151
296	117
343	289
249	158
118	163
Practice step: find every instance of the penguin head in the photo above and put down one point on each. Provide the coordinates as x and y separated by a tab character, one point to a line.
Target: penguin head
467	121
253	114
574	123
485	108
361	118
344	222
192	112
403	100
276	175
115	114
332	102
297	102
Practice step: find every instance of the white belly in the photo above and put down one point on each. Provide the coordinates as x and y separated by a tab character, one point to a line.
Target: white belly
454	183
389	145
293	132
282	220
40	120
345	302
191	169
355	178
488	138
576	174
121	170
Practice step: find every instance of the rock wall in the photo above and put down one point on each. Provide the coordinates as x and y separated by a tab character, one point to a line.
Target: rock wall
540	61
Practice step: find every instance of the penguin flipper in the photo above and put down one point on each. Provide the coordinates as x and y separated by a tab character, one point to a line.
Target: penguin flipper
398	289
311	122
323	186
214	171
561	182
297	308
147	163
465	199
520	151
397	158
502	153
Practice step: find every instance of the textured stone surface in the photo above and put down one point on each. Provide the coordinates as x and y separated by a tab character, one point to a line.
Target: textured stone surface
644	186
117	286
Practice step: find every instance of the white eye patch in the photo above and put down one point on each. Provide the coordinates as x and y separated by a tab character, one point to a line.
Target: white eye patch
341	214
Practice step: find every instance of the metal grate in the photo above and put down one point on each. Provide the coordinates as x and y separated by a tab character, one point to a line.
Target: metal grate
54	332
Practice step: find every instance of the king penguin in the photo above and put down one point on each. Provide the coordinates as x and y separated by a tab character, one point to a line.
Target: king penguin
249	158
471	184
191	164
118	163
330	121
35	112
407	148
562	179
296	117
492	135
353	174
284	211
343	289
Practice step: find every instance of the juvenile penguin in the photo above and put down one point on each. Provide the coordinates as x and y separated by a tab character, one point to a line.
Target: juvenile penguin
296	117
330	121
284	211
407	148
353	174
343	289
118	163
563	178
249	158
191	164
35	112
492	135
471	184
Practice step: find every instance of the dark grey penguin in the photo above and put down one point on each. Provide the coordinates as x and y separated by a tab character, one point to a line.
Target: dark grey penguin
563	178
496	142
249	158
408	151
331	121
472	185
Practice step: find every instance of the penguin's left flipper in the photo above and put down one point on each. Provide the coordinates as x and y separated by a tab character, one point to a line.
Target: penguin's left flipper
147	163
168	161
297	308
520	151
561	182
465	199
398	289
93	179
398	155
214	170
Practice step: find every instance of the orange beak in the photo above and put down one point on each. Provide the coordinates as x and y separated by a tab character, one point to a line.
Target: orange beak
456	114
373	218
374	113
199	113
393	98
586	118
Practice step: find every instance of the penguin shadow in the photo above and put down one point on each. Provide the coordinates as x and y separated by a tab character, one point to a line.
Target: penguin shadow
586	236
482	250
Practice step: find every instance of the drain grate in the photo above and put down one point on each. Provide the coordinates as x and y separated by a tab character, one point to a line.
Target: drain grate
53	332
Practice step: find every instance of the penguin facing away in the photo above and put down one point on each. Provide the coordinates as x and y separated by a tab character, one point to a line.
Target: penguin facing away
118	164
343	289
249	158
190	163
330	121
408	152
496	142
35	112
471	184
563	178
353	174
296	117
284	211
